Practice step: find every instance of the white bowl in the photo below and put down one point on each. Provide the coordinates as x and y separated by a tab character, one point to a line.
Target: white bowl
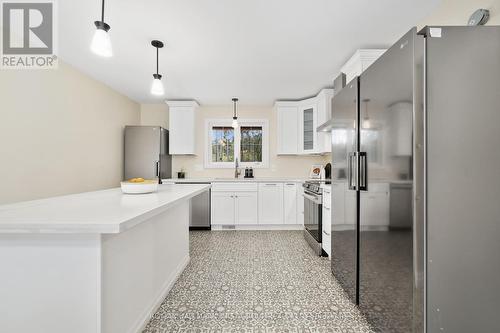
139	188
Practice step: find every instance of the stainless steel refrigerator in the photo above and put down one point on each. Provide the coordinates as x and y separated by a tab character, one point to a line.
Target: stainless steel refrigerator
146	153
418	136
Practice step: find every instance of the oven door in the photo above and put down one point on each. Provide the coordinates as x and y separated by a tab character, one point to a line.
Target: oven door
312	215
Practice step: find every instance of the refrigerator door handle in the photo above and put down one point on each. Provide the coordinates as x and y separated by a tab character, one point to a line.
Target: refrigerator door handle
363	172
351	170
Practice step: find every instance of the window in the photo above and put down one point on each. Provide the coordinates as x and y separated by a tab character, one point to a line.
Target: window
249	144
222	144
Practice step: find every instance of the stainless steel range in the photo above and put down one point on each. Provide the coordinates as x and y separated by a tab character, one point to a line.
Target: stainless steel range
313	205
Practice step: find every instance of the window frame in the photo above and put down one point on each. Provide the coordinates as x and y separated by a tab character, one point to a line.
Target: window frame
210	123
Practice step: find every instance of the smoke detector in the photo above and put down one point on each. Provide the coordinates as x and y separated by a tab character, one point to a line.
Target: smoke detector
480	17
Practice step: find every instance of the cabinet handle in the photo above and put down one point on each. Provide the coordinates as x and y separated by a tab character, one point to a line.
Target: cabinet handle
271	184
290	184
327	208
326	233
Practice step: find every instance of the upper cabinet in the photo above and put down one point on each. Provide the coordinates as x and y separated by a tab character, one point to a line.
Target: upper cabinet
182	122
297	123
360	61
288	128
308	121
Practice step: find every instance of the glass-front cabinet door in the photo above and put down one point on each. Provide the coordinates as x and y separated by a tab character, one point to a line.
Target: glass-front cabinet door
308	124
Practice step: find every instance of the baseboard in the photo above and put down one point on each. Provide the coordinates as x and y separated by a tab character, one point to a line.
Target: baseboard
258	227
148	313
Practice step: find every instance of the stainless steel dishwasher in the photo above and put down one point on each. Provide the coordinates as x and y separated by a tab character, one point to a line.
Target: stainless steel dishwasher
200	210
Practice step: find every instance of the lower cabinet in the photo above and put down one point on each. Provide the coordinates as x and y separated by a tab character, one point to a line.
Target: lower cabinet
271	203
300	204
246	208
223	208
252	203
230	208
290	207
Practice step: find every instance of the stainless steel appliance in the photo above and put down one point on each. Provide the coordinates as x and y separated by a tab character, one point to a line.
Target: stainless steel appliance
427	113
313	207
200	209
146	153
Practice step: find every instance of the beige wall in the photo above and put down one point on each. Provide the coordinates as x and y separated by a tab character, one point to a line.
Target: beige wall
279	166
60	132
457	12
154	115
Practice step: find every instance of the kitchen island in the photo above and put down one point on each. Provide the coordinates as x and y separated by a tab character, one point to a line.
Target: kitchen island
91	262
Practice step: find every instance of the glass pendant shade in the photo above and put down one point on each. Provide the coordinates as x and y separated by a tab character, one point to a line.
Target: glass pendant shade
101	43
235	123
157	86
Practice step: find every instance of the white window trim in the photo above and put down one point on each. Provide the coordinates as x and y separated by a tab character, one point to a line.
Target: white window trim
209	123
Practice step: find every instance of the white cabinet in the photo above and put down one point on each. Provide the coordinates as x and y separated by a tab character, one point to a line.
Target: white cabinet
252	203
288	128
234	203
182	122
401	129
324	102
246	208
290	203
300	204
298	122
308	122
360	61
271	203
338	203
223	208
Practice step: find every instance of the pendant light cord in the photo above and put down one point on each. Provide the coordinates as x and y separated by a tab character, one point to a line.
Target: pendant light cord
234	108
157	61
102	12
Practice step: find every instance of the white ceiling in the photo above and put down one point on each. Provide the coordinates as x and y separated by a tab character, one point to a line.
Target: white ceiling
258	50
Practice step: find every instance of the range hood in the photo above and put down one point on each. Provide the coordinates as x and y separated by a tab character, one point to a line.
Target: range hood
338	84
325	127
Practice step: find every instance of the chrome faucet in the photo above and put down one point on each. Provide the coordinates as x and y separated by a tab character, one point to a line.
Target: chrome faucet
237	172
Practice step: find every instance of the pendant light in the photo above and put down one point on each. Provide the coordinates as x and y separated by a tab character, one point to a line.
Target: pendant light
157	86
366	119
235	116
101	43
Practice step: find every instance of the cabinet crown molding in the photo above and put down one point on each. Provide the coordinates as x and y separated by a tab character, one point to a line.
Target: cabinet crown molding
362	58
191	103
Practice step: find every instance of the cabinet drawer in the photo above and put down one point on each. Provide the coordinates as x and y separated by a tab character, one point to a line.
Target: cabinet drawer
234	187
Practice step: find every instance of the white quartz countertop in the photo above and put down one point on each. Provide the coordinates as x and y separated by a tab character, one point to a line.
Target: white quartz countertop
236	180
107	211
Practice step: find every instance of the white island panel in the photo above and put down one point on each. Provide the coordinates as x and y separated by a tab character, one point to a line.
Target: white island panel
106	266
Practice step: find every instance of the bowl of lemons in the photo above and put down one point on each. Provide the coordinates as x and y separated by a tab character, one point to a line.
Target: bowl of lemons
139	186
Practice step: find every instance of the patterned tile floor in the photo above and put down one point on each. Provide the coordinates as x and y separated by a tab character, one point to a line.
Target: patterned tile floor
256	281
